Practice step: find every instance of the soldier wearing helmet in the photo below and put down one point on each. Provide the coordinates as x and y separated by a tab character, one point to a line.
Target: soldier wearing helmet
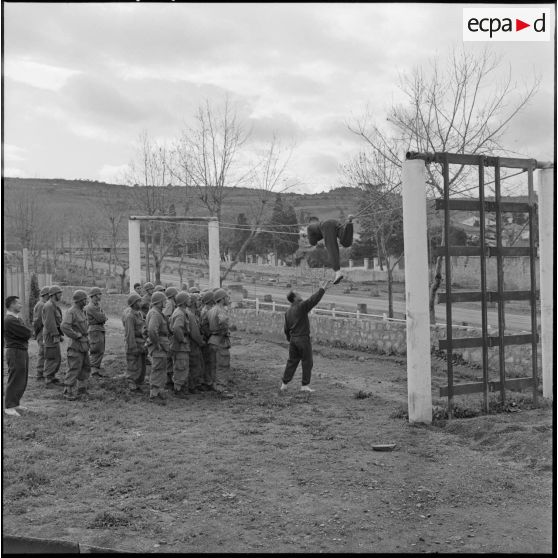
38	331
208	303
180	345
219	340
136	353
74	325
52	336
159	348
146	300
159	289
96	319
170	306
195	366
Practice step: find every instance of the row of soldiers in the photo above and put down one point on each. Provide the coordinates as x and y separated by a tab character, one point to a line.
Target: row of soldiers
183	337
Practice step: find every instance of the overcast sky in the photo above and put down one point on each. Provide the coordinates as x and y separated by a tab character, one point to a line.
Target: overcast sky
82	81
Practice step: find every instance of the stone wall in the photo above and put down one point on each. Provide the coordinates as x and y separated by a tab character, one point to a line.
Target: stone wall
383	336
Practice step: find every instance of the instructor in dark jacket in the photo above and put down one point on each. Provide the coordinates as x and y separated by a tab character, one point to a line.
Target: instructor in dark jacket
16	338
297	331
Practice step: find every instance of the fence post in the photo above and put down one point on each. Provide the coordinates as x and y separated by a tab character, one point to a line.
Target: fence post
357	314
546	261
273	306
257	305
134	252
419	388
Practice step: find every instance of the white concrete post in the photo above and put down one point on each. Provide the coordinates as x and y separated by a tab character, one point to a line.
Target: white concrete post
366	263
214	254
257	305
546	254
419	389
134	252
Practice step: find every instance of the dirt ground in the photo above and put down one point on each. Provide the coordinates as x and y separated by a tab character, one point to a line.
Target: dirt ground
275	473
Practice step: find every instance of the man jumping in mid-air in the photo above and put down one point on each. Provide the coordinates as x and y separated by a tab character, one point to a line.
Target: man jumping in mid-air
330	231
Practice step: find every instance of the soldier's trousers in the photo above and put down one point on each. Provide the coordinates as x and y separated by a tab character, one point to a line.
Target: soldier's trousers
195	372
208	378
40	356
181	367
219	362
53	359
300	349
158	377
96	348
79	368
135	367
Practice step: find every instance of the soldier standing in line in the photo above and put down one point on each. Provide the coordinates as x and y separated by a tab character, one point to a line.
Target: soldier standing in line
168	310
180	345
137	288
219	340
38	331
75	326
134	325
159	348
159	289
96	319
195	371
208	303
52	336
146	299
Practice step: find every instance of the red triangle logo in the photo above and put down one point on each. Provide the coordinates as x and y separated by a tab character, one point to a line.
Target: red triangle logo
519	25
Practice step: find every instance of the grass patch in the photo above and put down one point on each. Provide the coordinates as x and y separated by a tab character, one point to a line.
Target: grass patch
109	520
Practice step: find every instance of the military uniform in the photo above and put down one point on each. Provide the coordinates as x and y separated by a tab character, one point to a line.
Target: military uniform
134	328
159	349
52	336
168	310
96	319
207	377
219	341
38	331
195	374
180	347
74	325
145	304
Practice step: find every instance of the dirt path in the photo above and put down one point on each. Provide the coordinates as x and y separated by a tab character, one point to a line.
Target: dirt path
265	472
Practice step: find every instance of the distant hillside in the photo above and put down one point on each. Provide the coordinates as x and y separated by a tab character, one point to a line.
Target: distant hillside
65	197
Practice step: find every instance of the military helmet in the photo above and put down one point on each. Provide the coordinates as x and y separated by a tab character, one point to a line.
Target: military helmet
158	297
171	291
95	291
159	289
148	286
208	297
44	291
182	298
79	295
219	294
55	289
133	298
193	290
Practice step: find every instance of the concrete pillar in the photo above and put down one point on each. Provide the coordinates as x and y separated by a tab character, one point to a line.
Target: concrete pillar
366	263
546	263
351	263
214	254
419	387
134	252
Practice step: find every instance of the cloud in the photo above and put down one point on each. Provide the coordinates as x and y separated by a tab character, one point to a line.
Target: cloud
14	152
113	174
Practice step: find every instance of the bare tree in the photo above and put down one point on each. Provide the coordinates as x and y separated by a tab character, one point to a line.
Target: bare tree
150	175
268	179
207	152
381	216
462	109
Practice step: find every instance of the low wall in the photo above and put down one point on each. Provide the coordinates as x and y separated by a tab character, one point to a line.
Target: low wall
379	335
383	336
